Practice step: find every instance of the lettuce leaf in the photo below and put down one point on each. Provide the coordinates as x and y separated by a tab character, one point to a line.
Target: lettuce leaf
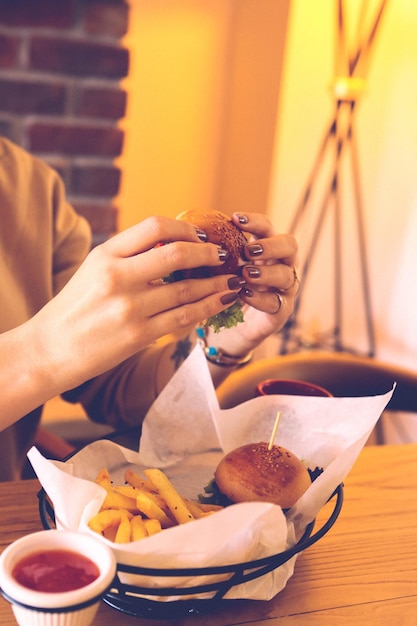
226	319
213	495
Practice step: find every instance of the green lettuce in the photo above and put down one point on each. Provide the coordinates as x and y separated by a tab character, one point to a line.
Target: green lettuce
226	319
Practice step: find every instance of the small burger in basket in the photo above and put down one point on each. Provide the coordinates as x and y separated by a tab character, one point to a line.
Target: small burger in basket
256	472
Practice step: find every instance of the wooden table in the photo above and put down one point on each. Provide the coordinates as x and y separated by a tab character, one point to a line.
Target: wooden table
364	571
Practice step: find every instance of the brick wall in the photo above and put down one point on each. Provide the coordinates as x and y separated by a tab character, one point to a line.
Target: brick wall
61	62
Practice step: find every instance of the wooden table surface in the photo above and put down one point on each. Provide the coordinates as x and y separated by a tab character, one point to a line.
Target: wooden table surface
364	571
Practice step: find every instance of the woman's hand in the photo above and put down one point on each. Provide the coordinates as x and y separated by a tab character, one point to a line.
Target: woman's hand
117	303
271	285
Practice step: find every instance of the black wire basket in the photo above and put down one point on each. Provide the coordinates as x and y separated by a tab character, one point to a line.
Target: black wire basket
137	600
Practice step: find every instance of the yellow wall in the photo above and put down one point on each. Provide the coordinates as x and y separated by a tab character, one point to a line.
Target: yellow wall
386	134
203	92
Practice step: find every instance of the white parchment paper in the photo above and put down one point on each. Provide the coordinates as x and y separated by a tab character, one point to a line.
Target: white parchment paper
186	433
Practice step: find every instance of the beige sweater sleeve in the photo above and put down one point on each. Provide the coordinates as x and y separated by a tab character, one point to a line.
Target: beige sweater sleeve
42	243
122	396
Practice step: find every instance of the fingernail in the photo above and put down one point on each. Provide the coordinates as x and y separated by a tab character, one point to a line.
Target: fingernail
253	271
229	298
247	292
255	249
236	282
243	219
223	254
201	234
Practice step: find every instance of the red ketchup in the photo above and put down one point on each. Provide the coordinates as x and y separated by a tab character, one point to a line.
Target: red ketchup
55	571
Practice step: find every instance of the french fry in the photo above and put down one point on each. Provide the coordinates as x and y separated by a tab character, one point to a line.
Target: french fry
167	491
132	492
110	533
133	479
137	528
103	475
207	508
114	500
142	507
156	498
147	506
198	511
127	490
103	479
152	526
123	533
105	519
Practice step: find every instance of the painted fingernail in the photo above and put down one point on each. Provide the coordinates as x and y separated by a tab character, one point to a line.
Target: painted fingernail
201	234
243	219
236	282
229	298
255	249
247	292
253	271
223	254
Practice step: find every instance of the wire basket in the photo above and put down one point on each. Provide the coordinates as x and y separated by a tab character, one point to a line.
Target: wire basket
130	598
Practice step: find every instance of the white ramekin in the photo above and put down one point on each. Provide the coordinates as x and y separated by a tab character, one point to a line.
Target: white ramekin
68	608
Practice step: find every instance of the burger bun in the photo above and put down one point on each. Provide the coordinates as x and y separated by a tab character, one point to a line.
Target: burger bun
252	473
223	232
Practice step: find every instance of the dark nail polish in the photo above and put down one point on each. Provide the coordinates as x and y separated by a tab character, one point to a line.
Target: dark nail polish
243	219
229	298
223	254
236	282
255	249
247	292
201	234
253	271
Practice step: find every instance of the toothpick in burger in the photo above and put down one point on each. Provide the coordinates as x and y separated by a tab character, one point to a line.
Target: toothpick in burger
255	473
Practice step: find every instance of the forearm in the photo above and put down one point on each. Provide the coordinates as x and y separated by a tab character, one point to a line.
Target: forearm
27	379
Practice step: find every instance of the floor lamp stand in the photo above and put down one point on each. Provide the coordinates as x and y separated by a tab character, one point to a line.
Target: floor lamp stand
340	139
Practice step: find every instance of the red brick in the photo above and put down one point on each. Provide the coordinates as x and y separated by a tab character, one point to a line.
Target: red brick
102	219
78	58
60	164
106	103
63	171
35	13
31	97
6	129
106	17
95	181
9	51
75	139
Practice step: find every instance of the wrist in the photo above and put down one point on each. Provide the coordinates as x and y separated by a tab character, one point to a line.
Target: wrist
231	340
23	376
218	356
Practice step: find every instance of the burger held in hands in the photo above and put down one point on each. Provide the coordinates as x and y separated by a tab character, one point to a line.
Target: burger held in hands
221	231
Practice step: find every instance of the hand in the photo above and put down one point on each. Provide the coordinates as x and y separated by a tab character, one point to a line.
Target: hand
271	284
116	303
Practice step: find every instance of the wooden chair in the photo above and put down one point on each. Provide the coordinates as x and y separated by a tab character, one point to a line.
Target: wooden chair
343	374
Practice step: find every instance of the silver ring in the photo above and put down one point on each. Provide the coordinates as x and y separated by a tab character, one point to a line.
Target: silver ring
294	282
280	302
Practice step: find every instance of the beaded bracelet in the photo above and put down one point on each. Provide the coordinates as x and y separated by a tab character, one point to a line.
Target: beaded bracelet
220	357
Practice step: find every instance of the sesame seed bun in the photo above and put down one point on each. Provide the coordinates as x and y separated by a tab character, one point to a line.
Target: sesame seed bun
223	232
252	473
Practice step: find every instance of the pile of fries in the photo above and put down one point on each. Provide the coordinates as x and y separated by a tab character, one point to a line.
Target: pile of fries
142	506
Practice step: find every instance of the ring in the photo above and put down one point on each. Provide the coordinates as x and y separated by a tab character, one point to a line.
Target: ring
295	281
279	300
